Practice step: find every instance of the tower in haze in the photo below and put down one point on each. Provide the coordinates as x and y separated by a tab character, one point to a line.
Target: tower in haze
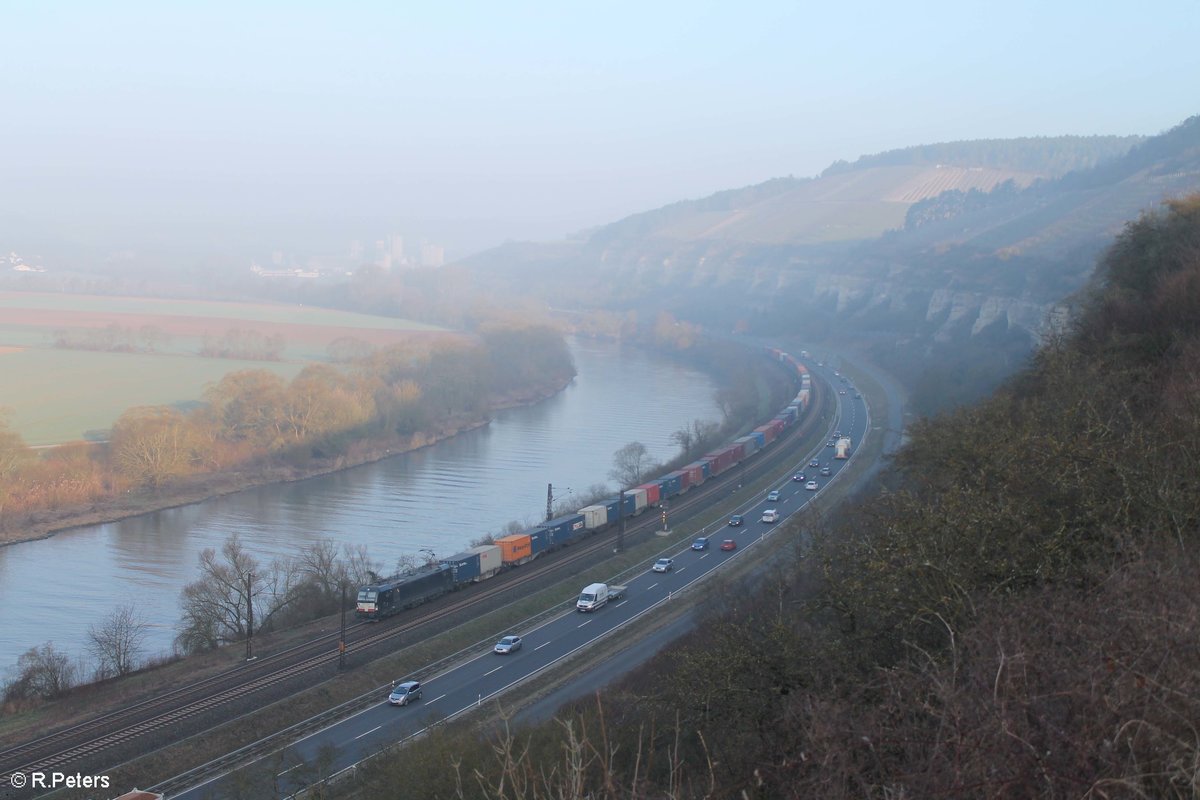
396	249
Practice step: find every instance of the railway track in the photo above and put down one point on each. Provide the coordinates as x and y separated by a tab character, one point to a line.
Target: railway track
87	742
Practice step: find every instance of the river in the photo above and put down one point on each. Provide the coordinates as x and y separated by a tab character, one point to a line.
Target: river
439	498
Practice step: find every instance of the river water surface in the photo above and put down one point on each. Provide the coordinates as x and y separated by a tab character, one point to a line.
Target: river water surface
439	498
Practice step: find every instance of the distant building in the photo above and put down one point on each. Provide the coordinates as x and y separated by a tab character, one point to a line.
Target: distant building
432	255
396	249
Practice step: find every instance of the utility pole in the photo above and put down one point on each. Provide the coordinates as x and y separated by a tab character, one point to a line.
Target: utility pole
342	641
249	617
550	499
621	519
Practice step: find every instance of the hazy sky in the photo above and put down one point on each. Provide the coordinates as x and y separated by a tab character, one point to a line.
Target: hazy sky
305	124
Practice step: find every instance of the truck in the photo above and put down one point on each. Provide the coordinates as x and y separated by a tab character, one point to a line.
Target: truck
595	595
843	448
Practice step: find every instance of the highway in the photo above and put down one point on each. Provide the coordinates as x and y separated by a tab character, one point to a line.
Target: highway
478	680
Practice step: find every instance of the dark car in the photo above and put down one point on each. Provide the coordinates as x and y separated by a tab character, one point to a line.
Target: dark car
736	519
799	477
700	544
405	693
814	463
509	644
729	544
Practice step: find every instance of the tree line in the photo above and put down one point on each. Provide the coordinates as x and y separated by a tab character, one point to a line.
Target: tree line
388	398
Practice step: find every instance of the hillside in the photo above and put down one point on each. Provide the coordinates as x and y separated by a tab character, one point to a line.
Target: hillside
1014	616
857	204
965	283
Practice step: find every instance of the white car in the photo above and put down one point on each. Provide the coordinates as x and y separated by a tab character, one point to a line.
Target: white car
811	486
772	495
770	515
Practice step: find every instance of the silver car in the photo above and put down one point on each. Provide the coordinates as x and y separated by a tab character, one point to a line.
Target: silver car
405	693
509	644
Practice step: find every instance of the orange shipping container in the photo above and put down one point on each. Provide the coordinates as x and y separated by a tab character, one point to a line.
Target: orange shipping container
515	549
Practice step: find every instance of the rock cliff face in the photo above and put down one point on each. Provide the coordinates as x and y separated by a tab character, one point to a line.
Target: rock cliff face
998	259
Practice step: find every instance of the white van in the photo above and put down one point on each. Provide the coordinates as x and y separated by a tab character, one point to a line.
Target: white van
770	515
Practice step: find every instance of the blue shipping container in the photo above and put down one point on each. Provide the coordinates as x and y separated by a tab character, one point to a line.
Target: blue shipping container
670	484
539	540
611	504
464	566
564	529
630	507
761	437
707	467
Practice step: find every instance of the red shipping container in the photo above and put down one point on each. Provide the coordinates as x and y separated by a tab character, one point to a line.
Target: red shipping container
653	493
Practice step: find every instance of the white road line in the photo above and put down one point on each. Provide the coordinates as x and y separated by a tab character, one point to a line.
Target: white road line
289	769
585	622
540	646
651	586
620	603
434	700
681	569
704	556
368	733
497	669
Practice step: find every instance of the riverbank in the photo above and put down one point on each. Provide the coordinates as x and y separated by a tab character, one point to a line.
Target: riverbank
197	488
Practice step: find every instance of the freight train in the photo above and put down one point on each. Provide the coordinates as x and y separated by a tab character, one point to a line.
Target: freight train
400	592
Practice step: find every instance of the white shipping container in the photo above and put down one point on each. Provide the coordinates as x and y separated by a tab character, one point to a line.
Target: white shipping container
594	516
639	499
490	559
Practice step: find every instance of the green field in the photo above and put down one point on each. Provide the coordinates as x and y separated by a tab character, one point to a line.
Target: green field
57	396
60	395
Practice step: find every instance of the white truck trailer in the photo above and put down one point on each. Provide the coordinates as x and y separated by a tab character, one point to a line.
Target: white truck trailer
595	595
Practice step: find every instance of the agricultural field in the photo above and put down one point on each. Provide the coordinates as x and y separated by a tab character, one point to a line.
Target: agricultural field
54	395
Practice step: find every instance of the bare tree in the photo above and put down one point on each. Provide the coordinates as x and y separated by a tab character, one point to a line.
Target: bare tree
42	672
117	642
319	563
630	464
216	607
360	568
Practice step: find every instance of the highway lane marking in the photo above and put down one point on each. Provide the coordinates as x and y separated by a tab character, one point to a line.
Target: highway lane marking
497	669
585	622
704	556
681	569
651	586
621	603
540	646
368	733
434	700
289	769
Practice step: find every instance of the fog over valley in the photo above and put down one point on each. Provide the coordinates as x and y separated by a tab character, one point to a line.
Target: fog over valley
689	400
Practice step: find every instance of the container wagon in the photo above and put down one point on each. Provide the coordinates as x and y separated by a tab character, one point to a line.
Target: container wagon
515	549
564	530
653	492
476	564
